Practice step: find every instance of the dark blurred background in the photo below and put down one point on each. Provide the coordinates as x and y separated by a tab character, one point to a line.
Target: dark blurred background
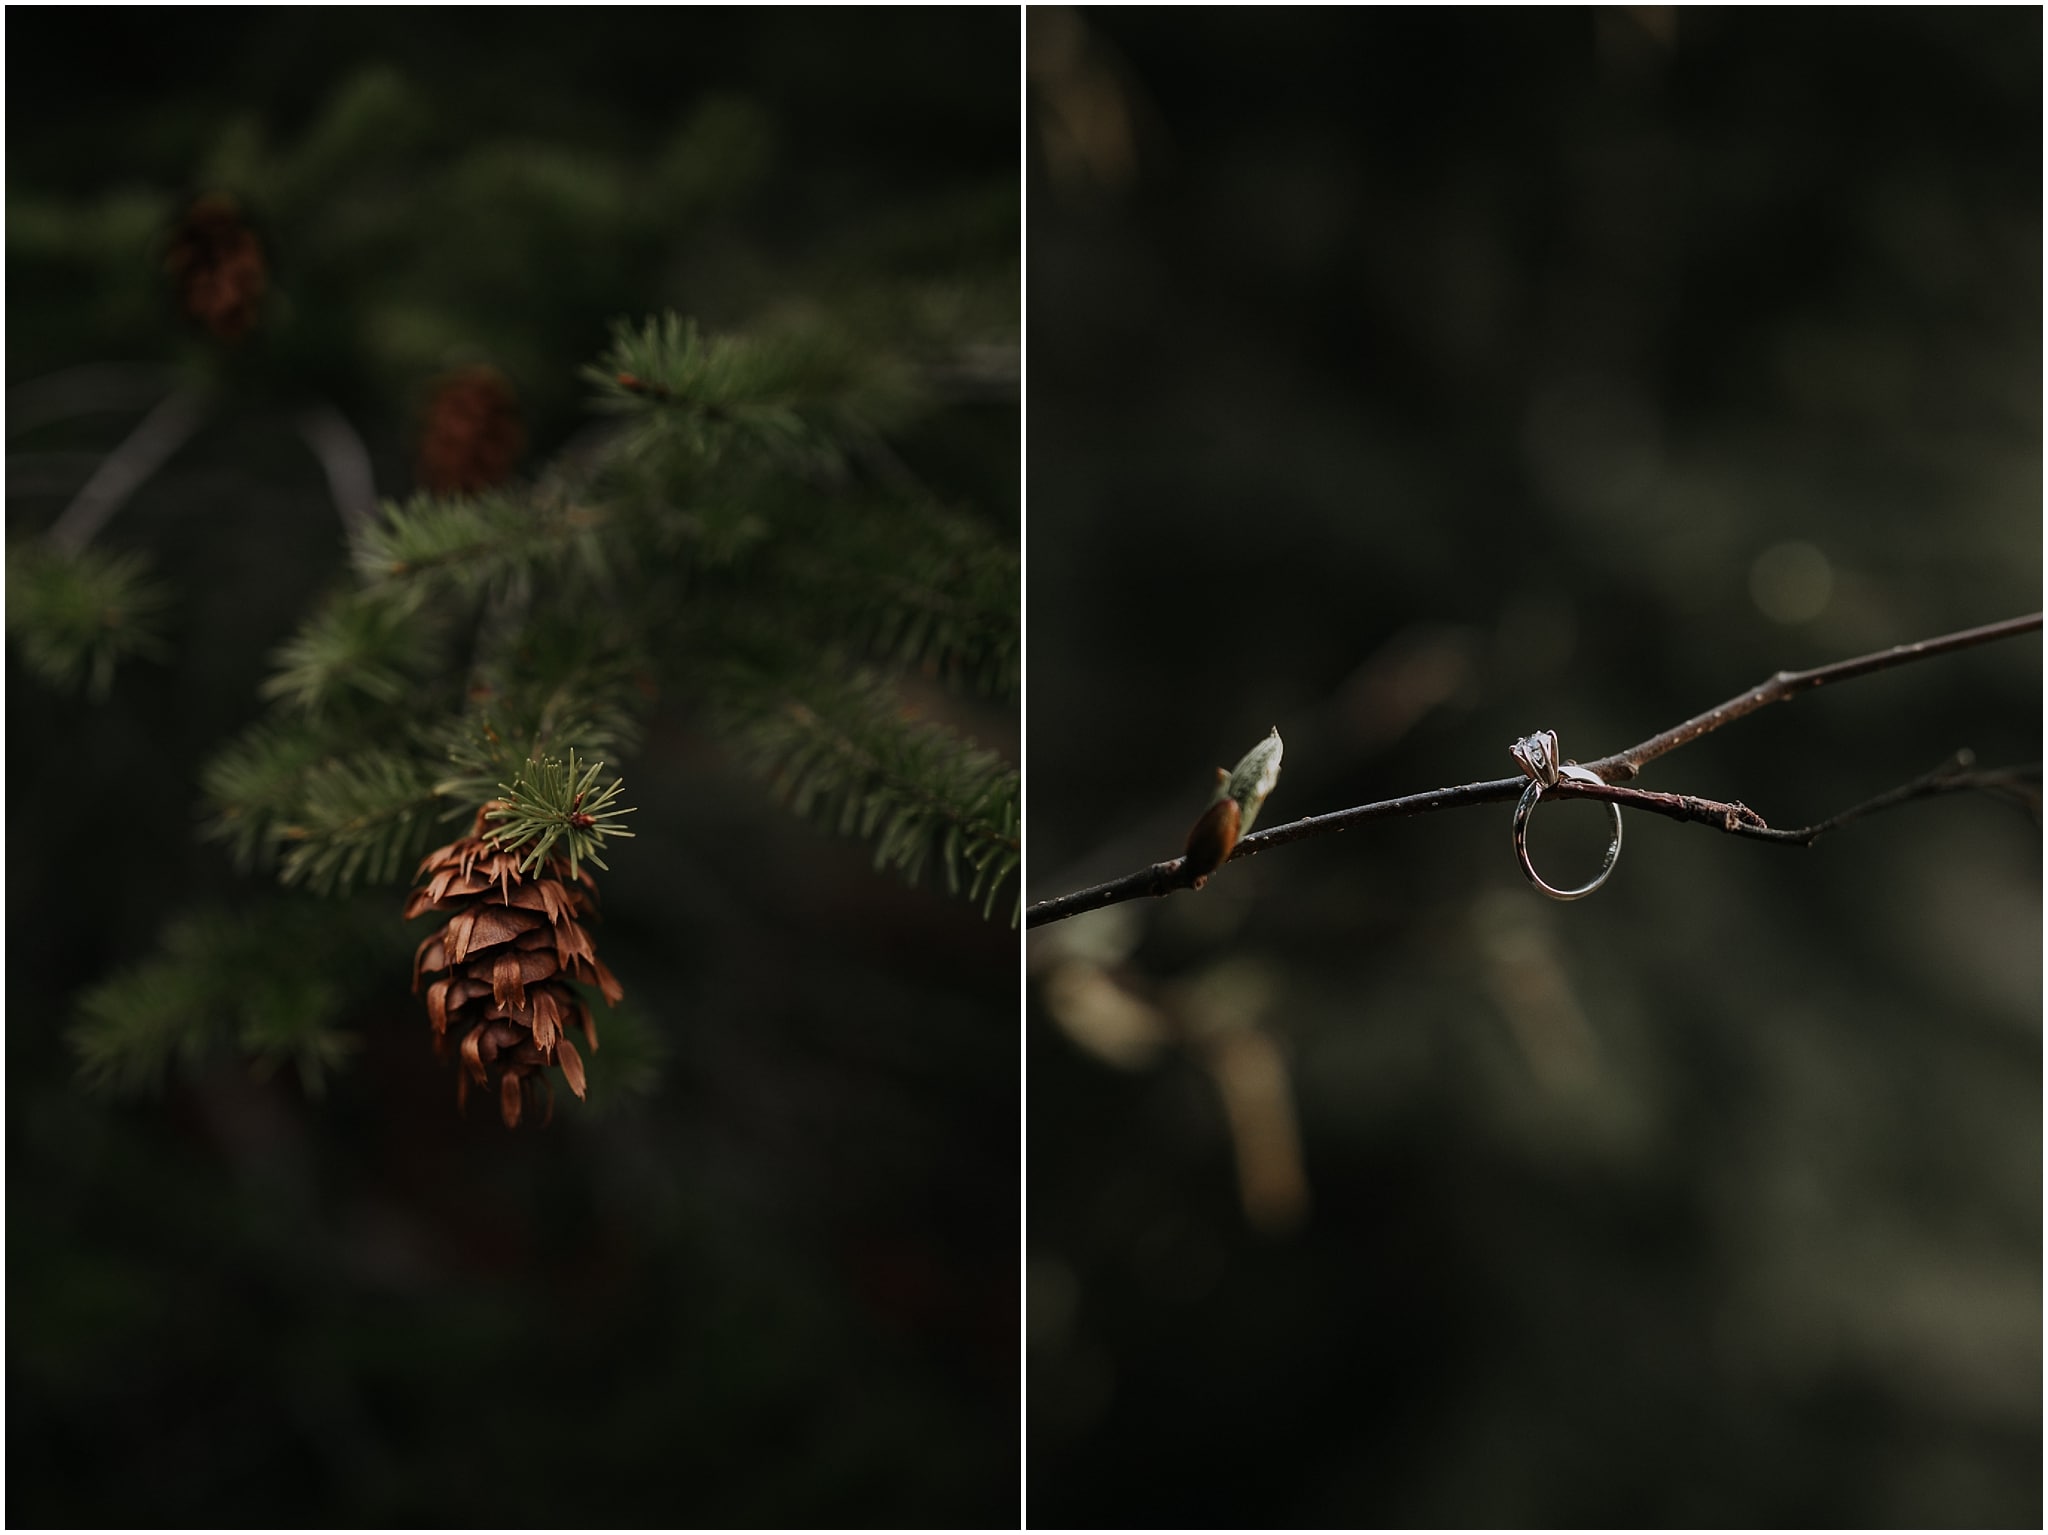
769	1277
1412	380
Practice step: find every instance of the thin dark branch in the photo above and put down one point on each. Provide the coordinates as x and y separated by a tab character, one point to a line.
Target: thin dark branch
161	433
115	386
1624	765
1159	879
345	461
1730	816
1951	777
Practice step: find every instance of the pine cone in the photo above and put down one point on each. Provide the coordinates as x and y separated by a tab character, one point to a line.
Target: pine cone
471	438
216	263
505	959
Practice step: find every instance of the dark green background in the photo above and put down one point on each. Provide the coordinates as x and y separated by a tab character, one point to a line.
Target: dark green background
779	1289
1413	380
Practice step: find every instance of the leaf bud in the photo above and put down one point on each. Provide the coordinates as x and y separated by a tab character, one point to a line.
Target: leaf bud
1211	840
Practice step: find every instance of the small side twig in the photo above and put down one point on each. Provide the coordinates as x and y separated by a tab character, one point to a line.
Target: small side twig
84	389
1954	775
1624	765
1732	817
345	461
160	434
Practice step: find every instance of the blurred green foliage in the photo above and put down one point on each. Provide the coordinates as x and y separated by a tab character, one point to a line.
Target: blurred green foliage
78	615
768	1275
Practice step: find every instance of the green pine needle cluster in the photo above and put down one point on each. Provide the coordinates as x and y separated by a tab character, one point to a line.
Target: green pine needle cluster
490	547
364	817
918	587
76	616
798	394
216	986
846	752
357	647
556	802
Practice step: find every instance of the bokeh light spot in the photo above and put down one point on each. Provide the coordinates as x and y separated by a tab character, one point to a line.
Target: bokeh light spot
1792	582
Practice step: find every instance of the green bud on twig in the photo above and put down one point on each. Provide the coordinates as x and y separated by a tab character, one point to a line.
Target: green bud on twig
1252	780
1239	794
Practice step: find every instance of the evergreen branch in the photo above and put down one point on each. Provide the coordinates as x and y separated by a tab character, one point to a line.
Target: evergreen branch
282	795
131	1028
78	614
364	816
257	784
914	586
359	645
568	675
845	756
791	396
292	793
495	739
552	801
476	546
1731	817
559	681
214	984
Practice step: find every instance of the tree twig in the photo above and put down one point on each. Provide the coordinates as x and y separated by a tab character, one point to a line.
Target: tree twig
1624	765
345	461
141	453
1954	775
82	390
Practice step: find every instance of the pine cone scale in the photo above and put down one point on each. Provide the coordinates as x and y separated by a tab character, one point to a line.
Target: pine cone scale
572	1066
430	955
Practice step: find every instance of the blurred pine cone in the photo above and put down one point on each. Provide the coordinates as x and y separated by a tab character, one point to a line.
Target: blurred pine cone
471	437
217	267
506	955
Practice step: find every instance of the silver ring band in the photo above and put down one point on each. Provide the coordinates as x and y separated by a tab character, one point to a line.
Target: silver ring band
1527	807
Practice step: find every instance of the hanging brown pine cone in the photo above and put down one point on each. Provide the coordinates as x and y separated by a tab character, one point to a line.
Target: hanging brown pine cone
217	266
504	959
471	437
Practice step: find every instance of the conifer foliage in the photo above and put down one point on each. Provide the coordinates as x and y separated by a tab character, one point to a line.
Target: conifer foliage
287	611
739	540
78	614
786	539
743	534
